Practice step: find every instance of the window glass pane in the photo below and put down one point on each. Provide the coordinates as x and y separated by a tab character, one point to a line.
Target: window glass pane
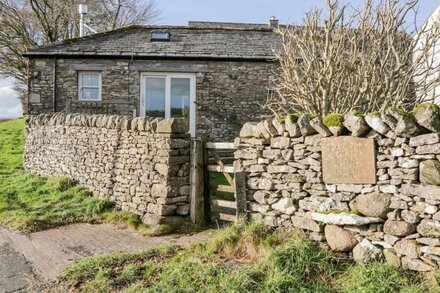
90	94
155	96
90	79
180	97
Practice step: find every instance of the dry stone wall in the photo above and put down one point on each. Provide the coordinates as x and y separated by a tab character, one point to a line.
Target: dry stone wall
141	164
396	218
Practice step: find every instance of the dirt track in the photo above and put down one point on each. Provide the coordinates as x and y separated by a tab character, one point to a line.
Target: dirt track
27	260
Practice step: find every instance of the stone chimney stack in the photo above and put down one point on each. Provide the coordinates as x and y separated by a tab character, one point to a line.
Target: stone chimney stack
273	22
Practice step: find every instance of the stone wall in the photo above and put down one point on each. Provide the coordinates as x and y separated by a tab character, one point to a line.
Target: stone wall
140	164
228	94
397	218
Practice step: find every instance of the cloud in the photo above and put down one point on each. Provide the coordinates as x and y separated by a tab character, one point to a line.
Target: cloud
10	105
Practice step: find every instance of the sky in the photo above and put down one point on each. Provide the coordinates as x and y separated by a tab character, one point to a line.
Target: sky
179	12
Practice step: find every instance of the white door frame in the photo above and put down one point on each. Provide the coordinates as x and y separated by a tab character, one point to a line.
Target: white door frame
168	76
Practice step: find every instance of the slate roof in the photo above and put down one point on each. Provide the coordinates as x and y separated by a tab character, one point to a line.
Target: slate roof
254	42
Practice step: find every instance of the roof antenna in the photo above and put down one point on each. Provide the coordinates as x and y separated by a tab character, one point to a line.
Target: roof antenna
83	27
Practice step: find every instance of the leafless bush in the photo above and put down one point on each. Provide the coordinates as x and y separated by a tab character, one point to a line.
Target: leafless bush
367	58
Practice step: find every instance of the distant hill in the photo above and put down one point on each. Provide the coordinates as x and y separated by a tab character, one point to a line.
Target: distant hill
2	119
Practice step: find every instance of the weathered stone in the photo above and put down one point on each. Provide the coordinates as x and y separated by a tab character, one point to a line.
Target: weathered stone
173	125
428	149
429	241
423	207
410	217
389	120
350	188
391	258
372	204
293	128
430	172
416	264
424	139
250	129
337	130
265	183
407	128
319	126
293	178
365	252
430	250
260	196
356	125
268	126
408	163
183	210
280	127
277	169
304	125
429	192
408	248
306	224
429	228
342	219
428	118
280	142
398	228
339	239
376	124
284	205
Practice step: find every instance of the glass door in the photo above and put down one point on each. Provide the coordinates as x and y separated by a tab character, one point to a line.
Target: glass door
169	95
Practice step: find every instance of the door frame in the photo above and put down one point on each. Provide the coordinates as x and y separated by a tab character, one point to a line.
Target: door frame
168	76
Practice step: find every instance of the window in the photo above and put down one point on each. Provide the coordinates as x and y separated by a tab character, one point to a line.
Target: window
169	95
89	86
160	37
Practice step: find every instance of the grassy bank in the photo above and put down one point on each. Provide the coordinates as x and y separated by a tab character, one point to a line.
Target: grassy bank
242	258
31	203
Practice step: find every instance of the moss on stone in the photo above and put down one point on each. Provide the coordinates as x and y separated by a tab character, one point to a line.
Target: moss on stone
375	113
352	212
357	113
334	119
293	117
312	116
435	108
405	114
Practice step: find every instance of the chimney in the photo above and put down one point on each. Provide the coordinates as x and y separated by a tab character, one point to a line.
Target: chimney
273	22
83	10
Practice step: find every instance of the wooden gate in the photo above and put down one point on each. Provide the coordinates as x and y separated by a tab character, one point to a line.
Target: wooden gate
224	190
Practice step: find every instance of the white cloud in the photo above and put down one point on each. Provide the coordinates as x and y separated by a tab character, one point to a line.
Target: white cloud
10	105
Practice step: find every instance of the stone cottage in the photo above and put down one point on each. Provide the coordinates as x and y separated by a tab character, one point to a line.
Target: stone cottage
215	74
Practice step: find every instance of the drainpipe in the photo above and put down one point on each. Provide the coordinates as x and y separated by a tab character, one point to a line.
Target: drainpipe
54	82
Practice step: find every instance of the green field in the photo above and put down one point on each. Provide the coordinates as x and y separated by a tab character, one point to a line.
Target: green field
31	203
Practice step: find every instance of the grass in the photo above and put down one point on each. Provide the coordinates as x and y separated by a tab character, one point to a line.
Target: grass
240	258
30	203
216	178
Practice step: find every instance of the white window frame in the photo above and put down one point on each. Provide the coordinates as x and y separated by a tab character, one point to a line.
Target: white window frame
168	76
80	86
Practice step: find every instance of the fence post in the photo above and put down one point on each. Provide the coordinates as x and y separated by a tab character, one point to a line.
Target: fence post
197	198
240	194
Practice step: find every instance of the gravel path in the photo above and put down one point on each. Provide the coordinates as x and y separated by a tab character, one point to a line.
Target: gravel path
26	261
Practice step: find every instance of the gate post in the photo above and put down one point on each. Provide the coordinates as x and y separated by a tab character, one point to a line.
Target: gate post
240	194
197	198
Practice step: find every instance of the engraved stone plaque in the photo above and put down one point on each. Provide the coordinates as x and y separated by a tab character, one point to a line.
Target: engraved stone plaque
348	160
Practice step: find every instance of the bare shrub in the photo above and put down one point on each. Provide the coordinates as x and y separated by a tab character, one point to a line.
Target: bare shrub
368	58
